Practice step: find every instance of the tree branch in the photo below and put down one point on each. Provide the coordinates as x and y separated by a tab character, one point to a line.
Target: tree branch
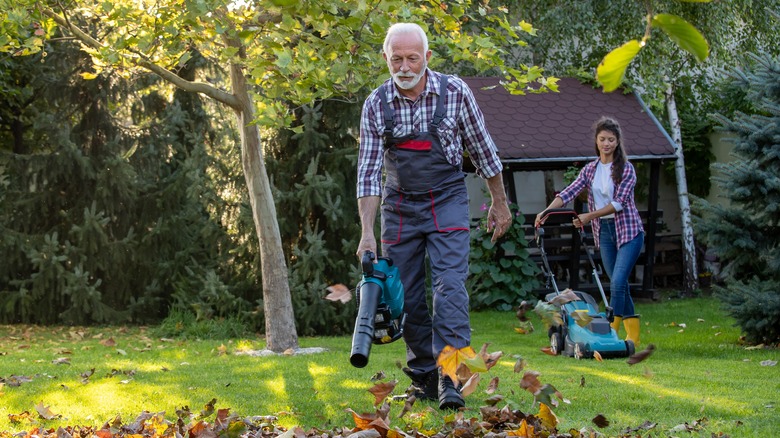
192	86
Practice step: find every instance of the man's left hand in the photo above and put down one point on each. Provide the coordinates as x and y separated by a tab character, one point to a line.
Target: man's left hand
499	220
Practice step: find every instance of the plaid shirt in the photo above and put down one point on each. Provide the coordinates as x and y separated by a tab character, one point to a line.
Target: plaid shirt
627	221
463	125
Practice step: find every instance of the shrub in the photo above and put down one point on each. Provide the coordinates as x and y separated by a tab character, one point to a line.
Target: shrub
502	273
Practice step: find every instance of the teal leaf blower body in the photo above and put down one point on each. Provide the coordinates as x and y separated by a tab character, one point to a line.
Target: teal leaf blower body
380	300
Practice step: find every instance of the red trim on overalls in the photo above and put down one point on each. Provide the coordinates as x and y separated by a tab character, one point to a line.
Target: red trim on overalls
415	145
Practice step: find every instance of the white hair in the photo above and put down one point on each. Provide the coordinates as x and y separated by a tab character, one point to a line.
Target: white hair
405	28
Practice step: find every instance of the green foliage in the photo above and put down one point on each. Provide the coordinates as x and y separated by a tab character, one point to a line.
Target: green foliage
502	274
313	172
185	324
746	233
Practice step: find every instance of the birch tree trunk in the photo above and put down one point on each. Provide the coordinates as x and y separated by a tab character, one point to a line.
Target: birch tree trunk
690	270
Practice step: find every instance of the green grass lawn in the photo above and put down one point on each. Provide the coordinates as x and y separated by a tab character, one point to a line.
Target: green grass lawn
699	374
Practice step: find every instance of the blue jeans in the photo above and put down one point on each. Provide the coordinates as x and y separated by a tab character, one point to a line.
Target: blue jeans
618	262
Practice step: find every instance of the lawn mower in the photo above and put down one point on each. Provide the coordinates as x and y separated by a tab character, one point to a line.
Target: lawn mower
584	330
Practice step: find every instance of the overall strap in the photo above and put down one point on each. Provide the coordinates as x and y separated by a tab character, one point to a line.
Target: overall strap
387	112
438	115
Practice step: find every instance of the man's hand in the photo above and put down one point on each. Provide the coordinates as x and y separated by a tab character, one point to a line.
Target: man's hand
499	220
367	243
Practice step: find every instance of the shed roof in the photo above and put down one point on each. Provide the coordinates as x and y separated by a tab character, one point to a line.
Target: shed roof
553	130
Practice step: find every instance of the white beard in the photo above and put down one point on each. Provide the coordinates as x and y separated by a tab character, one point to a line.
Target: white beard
407	82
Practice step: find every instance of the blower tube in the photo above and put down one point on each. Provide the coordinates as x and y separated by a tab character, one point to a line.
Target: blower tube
363	336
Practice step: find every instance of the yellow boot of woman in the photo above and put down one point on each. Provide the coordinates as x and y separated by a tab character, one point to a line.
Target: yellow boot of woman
615	324
631	323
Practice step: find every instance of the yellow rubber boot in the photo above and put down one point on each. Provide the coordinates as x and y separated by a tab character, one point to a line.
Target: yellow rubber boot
631	323
615	324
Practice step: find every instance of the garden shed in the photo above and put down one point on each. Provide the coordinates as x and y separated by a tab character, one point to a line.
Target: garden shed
553	131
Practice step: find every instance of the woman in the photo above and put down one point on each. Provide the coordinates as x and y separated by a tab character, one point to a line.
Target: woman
617	227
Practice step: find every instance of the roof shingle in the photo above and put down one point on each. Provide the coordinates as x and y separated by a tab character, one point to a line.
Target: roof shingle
536	131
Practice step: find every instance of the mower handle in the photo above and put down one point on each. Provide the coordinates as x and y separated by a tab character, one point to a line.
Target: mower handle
558	212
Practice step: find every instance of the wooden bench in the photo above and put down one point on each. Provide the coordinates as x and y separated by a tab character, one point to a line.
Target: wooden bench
571	266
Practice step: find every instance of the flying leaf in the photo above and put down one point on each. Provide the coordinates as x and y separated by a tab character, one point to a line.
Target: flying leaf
490	359
549	314
548	395
382	390
408	404
520	364
471	385
600	421
548	350
549	420
380	375
642	355
521	311
492	386
450	358
564	297
684	34
208	409
597	356
530	382
581	317
494	399
612	68
339	292
45	412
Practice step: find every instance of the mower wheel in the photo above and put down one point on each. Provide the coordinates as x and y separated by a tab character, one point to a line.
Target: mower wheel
630	348
580	351
556	343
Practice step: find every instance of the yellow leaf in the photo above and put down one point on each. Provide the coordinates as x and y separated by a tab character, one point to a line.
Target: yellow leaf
450	358
524	431
549	420
88	76
612	68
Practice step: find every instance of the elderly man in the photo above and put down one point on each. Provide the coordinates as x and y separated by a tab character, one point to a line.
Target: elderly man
416	127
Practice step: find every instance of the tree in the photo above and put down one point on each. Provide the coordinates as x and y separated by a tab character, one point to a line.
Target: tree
580	38
746	234
274	54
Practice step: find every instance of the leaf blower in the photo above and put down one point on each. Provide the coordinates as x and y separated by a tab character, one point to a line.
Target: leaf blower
380	300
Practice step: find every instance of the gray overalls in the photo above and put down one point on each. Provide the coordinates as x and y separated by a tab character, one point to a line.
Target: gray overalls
425	211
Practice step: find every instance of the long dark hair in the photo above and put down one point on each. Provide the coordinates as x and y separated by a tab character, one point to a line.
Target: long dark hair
619	161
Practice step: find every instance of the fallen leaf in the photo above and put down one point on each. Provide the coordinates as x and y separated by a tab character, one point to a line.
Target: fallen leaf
600	421
382	390
339	292
768	363
582	381
61	361
208	409
642	355
494	399
525	327
110	342
597	356
549	420
45	412
221	350
548	350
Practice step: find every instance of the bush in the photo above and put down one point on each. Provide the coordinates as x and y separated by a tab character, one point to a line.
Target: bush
502	274
756	307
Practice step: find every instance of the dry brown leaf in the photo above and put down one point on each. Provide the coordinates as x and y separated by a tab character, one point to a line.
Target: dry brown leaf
521	311
642	355
600	421
110	342
382	390
530	382
581	317
493	385
548	350
45	412
520	364
564	297
597	356
471	385
339	292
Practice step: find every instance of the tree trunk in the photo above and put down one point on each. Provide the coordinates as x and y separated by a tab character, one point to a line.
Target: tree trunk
690	271
277	304
549	187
